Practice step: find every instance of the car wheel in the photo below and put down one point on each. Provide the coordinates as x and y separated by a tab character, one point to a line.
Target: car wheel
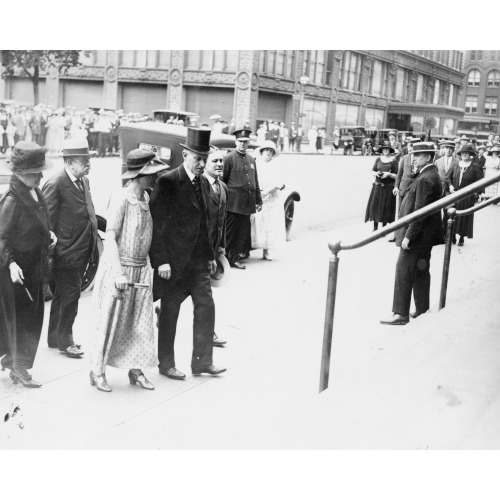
289	211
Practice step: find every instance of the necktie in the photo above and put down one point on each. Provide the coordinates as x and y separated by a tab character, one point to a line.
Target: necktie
79	184
197	187
216	186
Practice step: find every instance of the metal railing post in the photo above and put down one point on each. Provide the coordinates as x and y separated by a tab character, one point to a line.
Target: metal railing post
329	314
450	225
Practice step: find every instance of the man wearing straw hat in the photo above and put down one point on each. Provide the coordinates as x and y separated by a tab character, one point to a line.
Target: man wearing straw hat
417	239
73	220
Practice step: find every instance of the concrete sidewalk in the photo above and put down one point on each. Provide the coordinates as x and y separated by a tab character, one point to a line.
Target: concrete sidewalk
434	383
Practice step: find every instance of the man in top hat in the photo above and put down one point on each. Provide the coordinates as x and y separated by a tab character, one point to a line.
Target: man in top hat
217	207
417	239
73	220
406	170
244	197
182	255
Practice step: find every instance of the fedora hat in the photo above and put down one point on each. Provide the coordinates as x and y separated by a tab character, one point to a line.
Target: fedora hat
142	162
221	275
198	140
268	145
28	158
467	148
448	144
76	147
386	145
424	147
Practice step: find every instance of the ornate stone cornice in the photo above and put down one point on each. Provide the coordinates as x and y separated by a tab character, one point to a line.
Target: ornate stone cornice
217	78
143	74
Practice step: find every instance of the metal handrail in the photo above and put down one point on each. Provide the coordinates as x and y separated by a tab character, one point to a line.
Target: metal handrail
337	246
453	213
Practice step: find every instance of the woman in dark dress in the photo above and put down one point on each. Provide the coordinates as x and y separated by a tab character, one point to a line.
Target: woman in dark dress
381	206
460	176
25	238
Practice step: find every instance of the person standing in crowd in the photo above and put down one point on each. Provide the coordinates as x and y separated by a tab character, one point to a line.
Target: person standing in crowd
102	126
283	133
73	220
463	142
298	139
261	134
336	139
492	168
312	135
292	135
463	174
129	231
182	255
381	206
273	215
4	141
244	198
55	132
274	131
36	126
19	121
25	238
395	145
11	133
482	156
217	208
417	239
445	165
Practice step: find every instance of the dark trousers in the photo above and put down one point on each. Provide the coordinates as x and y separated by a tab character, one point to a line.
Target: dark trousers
194	282
64	308
298	140
237	231
291	143
22	319
412	273
103	143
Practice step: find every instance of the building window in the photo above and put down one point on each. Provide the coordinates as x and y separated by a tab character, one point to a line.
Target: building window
471	104
193	59
280	63
377	75
494	78
474	78
350	71
290	64
490	106
493	55
164	58
127	58
476	55
219	60
232	59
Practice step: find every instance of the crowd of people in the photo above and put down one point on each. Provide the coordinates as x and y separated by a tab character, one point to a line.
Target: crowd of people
49	127
163	247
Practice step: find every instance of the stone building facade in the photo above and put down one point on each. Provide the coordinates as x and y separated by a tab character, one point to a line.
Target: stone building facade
481	95
375	88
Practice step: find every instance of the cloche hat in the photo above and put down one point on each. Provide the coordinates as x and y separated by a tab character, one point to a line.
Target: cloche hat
268	145
28	158
142	162
467	148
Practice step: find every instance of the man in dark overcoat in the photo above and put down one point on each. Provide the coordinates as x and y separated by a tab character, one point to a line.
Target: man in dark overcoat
417	239
244	197
182	255
217	206
73	220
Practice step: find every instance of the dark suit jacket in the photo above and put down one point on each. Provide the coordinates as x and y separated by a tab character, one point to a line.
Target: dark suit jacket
217	206
72	218
404	178
398	150
176	224
427	232
472	174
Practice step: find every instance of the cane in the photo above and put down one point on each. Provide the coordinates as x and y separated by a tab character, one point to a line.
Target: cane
117	297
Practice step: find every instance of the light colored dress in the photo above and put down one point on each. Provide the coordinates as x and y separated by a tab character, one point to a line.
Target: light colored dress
492	168
55	134
273	212
132	334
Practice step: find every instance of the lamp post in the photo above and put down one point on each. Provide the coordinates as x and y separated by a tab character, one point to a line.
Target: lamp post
304	80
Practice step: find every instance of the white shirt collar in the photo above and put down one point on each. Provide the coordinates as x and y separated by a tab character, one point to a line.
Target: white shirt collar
190	174
71	176
423	168
210	178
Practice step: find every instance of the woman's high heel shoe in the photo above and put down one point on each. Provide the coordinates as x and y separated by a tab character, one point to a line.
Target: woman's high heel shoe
140	378
22	375
100	382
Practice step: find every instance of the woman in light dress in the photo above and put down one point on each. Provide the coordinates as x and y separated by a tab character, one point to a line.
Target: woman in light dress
492	167
127	323
312	136
273	213
55	132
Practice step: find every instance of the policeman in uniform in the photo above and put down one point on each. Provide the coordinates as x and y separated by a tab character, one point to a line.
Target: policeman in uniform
244	198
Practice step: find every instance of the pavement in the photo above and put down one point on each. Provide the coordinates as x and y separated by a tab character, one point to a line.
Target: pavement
432	384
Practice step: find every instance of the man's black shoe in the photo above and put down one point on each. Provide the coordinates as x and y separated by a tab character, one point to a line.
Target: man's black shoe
173	373
237	265
211	370
218	342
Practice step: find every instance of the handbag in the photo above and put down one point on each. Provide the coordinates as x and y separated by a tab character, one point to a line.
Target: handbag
258	231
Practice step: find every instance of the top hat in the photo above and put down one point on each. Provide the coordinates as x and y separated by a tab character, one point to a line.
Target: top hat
424	147
76	147
28	158
386	145
142	162
243	134
467	148
198	140
268	145
448	144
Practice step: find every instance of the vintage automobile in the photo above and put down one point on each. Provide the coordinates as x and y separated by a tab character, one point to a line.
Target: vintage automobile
164	115
352	139
165	141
